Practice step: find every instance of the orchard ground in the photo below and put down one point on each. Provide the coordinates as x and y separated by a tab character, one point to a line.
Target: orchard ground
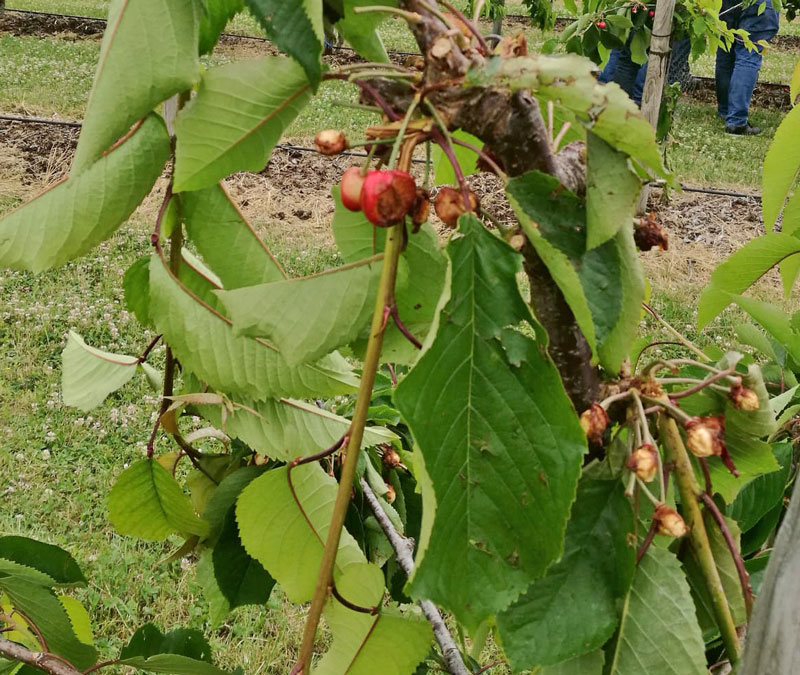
57	464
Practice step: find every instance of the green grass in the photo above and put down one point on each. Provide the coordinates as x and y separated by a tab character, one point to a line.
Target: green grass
46	76
703	154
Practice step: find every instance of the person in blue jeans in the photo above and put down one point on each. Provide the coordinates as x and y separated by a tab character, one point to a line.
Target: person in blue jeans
737	68
630	76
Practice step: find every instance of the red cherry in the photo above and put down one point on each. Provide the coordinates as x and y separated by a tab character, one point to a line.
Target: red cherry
601	24
351	184
652	12
634	9
387	196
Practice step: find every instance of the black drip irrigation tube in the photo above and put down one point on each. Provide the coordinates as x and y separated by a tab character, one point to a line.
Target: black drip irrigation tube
288	147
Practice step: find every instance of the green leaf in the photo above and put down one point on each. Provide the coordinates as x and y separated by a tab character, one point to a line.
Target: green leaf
214	20
218	606
611	191
503	478
617	344
147	502
227	242
224	497
781	167
744	431
241	579
443	172
285	532
79	618
359	30
362	643
295	26
309	317
136	286
742	270
88	374
43	608
604	286
135	74
794	85
658	612
179	652
773	320
287	428
761	495
569	81
78	213
240	111
587	664
204	342
48	559
727	573
574	608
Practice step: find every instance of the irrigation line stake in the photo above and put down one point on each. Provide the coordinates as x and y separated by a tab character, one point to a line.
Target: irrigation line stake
698	536
403	549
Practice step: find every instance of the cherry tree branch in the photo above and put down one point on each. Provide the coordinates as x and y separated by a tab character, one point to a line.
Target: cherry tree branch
49	663
403	549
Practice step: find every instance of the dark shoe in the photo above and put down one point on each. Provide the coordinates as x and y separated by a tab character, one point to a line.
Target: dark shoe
744	130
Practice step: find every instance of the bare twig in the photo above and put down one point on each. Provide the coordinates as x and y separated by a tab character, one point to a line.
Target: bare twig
44	661
403	549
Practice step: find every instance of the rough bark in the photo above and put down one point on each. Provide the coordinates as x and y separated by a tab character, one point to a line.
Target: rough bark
511	125
39	660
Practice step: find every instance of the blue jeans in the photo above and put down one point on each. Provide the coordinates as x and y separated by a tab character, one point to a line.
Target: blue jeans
736	75
631	76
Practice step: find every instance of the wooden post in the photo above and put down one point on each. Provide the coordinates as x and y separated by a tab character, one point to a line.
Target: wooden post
771	645
656	74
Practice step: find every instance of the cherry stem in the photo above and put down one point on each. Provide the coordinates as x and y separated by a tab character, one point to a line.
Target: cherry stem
372	611
672	410
472	27
411	17
702	385
402	327
649	439
684	340
651	533
149	348
401	132
606	402
744	577
706	476
484	156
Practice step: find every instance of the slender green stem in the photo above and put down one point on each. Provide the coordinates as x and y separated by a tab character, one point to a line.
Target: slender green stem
402	131
673	410
698	537
384	300
411	17
649	439
388	74
372	141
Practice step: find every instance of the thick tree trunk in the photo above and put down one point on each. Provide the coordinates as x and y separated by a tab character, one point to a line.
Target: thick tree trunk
511	125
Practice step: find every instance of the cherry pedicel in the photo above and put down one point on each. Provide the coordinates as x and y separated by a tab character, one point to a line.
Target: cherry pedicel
352	182
387	196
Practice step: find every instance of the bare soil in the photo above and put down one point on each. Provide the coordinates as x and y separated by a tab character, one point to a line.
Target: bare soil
290	199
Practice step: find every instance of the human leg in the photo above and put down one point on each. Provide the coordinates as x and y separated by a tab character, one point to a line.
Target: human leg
742	82
722	79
